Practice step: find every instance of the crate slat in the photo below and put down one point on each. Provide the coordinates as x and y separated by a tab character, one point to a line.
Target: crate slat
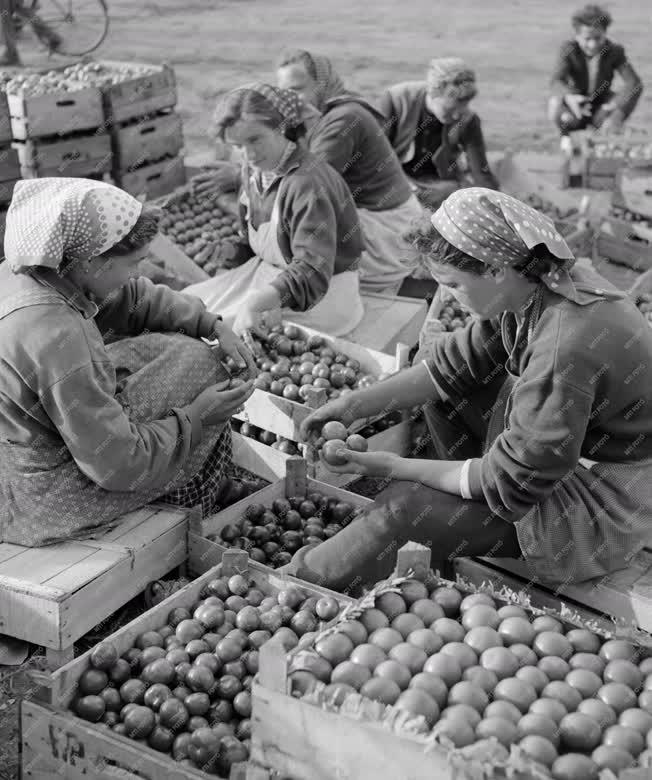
133	520
56	745
147	140
8	550
9	164
140	96
153	180
38	564
6	136
388	321
76	156
82	572
36	116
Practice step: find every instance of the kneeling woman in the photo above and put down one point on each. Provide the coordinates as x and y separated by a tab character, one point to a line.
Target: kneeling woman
540	411
91	430
299	222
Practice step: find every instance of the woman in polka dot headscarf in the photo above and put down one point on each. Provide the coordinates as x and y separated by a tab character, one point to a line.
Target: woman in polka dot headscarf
539	412
90	430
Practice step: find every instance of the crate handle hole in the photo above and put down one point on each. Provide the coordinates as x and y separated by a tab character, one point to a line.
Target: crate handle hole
648	192
122	771
66	102
154	176
71	156
147	130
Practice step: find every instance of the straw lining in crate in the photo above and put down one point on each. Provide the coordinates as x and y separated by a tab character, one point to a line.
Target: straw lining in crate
294	735
284	417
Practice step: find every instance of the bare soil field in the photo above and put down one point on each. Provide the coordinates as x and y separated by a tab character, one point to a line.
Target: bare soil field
217	44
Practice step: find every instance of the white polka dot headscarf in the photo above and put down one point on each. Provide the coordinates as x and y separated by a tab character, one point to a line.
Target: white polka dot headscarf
53	218
500	230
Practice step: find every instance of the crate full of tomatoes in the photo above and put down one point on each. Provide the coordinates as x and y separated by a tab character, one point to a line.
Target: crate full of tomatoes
426	678
276	522
169	695
300	367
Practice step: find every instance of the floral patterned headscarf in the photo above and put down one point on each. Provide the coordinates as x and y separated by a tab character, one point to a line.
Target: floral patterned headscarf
53	218
500	231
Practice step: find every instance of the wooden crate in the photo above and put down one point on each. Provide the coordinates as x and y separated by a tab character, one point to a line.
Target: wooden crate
270	464
299	739
153	180
204	554
283	417
57	113
9	174
140	96
389	321
633	190
51	596
146	140
56	743
79	155
625	594
624	243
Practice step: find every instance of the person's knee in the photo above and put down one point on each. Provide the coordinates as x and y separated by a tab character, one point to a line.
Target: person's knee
200	354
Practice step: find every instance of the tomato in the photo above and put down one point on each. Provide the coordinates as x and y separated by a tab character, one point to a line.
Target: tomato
155	695
120	672
200	678
173	714
139	722
90	708
327	608
466	692
579	732
104	656
303	622
160	671
180	747
539	749
92	682
502	729
238	585
133	691
149	639
335	648
112	700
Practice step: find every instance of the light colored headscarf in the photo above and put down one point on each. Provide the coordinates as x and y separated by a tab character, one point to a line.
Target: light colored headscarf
53	218
500	231
451	72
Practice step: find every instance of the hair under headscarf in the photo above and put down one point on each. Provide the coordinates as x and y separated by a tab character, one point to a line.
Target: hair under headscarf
499	230
235	105
451	72
329	87
55	218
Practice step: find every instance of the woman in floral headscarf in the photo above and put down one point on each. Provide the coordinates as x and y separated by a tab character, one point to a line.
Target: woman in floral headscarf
540	412
430	125
300	228
88	431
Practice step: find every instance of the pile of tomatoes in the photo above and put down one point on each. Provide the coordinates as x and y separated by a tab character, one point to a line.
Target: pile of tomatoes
205	232
291	364
271	535
572	701
185	689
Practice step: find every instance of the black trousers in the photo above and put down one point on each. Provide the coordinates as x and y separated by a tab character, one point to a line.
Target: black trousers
365	551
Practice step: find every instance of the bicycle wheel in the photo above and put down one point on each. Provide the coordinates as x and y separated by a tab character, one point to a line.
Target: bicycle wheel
81	25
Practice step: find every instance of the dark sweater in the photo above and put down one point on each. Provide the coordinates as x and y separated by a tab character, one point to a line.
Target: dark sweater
318	233
351	139
571	75
402	106
583	389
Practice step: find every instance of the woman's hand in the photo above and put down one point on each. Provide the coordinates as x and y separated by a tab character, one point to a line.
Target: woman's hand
310	429
260	311
233	347
217	404
224	177
369	464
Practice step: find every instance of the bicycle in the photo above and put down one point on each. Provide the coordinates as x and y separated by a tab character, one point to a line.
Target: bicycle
79	25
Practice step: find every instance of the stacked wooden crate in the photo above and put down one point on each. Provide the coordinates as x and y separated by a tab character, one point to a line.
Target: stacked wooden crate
57	124
9	165
146	132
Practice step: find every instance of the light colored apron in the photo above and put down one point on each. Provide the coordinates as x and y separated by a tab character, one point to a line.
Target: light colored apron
337	313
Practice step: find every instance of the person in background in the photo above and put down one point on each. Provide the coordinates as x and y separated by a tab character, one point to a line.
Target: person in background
430	125
12	14
104	405
542	431
300	237
345	131
583	76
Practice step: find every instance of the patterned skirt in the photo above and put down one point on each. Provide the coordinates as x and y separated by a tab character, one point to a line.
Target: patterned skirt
45	498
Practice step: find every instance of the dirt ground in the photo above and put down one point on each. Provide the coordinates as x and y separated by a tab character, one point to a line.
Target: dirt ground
217	44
